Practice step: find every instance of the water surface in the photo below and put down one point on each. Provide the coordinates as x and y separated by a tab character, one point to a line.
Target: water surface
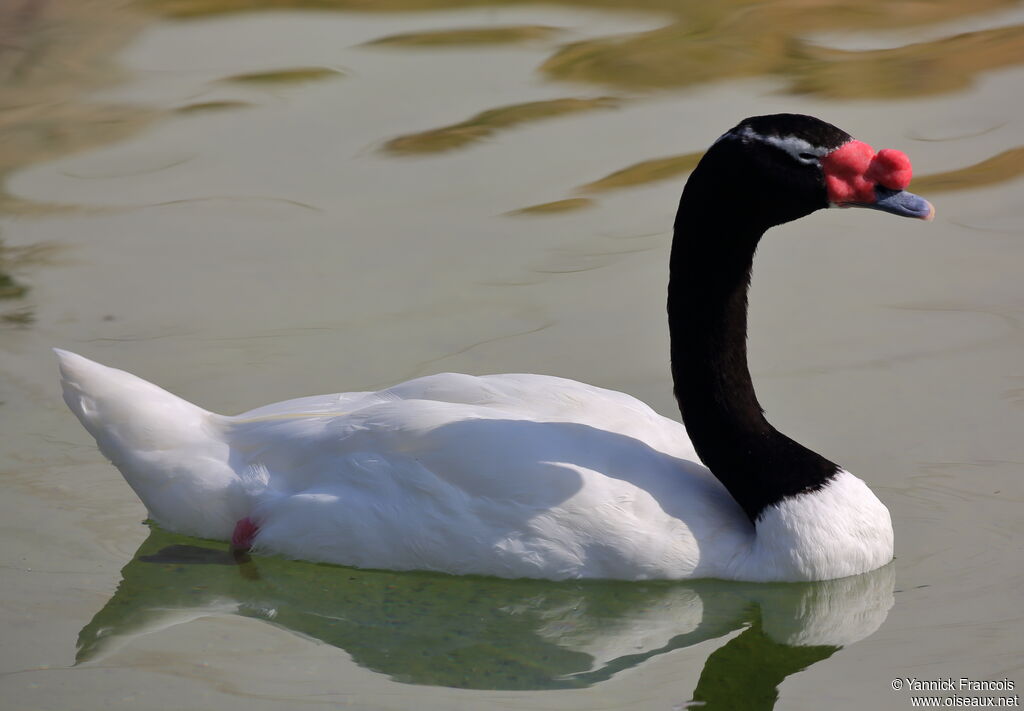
250	201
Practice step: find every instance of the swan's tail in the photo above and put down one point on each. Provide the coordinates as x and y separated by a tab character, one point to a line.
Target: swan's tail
171	452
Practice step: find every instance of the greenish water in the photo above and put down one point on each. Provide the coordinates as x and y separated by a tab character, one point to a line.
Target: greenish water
485	633
251	201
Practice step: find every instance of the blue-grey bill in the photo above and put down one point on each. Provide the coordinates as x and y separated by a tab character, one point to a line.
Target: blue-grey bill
899	202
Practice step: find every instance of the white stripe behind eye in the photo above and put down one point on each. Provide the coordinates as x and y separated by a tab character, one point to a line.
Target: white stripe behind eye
801	150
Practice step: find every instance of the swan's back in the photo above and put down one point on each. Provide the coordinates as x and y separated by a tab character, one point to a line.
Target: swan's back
457	473
508	475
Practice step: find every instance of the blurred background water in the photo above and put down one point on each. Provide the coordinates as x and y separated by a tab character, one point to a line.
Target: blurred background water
250	200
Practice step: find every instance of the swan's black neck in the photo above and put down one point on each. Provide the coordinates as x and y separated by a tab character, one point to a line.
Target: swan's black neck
712	254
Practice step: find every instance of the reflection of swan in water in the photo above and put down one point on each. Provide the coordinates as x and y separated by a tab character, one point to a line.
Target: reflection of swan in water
489	633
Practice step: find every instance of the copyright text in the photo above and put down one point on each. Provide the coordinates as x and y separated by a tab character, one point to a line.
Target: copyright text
960	689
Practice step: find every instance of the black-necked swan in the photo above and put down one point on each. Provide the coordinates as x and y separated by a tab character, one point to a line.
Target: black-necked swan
537	476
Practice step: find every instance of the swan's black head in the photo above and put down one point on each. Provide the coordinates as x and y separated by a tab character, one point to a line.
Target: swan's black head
773	169
765	171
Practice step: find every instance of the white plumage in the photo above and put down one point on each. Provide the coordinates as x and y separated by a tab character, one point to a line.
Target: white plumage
506	475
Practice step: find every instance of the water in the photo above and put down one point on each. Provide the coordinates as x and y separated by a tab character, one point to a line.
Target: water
249	206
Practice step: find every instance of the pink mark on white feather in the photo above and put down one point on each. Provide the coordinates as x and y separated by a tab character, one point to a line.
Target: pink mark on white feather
245	530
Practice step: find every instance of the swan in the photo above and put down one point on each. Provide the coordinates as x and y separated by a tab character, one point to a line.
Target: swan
535	476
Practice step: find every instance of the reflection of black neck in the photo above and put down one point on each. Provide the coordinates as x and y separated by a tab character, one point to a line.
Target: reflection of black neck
712	254
745	673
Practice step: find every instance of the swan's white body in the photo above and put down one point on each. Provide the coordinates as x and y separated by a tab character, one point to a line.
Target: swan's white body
505	475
